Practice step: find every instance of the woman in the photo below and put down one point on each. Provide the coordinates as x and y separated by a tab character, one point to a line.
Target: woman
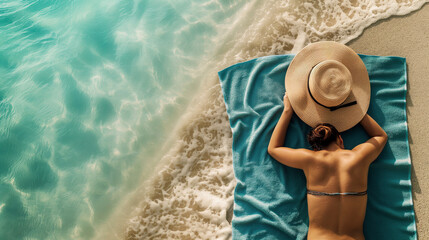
336	177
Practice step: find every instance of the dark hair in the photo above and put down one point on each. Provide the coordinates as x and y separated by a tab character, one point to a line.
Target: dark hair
322	135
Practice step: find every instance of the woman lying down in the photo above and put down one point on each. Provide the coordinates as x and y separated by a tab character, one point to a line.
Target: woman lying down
328	88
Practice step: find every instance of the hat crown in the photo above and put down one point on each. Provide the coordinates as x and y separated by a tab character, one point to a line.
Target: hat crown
330	83
348	105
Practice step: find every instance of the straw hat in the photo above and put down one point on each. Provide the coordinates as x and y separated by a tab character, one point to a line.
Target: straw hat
327	82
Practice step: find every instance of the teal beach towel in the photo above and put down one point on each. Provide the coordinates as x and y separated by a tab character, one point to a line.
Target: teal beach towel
270	198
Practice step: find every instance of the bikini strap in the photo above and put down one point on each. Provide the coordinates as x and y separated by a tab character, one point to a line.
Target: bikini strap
316	193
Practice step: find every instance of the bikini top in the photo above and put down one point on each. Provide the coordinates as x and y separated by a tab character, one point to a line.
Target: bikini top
316	193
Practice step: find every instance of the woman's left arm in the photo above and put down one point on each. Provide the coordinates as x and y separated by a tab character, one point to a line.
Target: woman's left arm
296	158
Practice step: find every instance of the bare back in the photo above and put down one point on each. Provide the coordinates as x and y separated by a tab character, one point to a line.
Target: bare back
330	216
333	170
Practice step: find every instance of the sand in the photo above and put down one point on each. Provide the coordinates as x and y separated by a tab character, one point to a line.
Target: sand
408	36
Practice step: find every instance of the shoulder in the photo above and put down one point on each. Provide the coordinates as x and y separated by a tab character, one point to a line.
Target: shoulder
369	150
297	158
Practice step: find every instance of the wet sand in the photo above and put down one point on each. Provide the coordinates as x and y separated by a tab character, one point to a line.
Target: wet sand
408	36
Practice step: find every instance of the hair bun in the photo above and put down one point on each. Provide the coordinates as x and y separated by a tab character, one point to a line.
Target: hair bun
322	135
324	132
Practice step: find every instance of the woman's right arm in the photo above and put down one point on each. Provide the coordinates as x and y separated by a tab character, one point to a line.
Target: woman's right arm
370	149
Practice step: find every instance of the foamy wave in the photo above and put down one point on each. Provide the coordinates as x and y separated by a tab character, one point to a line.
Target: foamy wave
288	26
191	196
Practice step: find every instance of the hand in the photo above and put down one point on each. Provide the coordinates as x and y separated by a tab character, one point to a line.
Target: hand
287	105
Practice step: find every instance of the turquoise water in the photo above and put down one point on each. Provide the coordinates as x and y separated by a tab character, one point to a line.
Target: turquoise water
91	91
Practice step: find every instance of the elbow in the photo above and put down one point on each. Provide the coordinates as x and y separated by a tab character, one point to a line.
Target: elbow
381	133
270	151
385	137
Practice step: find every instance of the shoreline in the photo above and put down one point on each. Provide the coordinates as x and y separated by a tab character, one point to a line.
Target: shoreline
407	36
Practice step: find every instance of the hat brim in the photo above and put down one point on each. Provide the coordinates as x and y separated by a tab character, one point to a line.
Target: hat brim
306	108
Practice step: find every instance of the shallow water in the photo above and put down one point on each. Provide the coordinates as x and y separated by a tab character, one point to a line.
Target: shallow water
112	120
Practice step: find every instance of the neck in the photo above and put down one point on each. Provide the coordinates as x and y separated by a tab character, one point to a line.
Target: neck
332	147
